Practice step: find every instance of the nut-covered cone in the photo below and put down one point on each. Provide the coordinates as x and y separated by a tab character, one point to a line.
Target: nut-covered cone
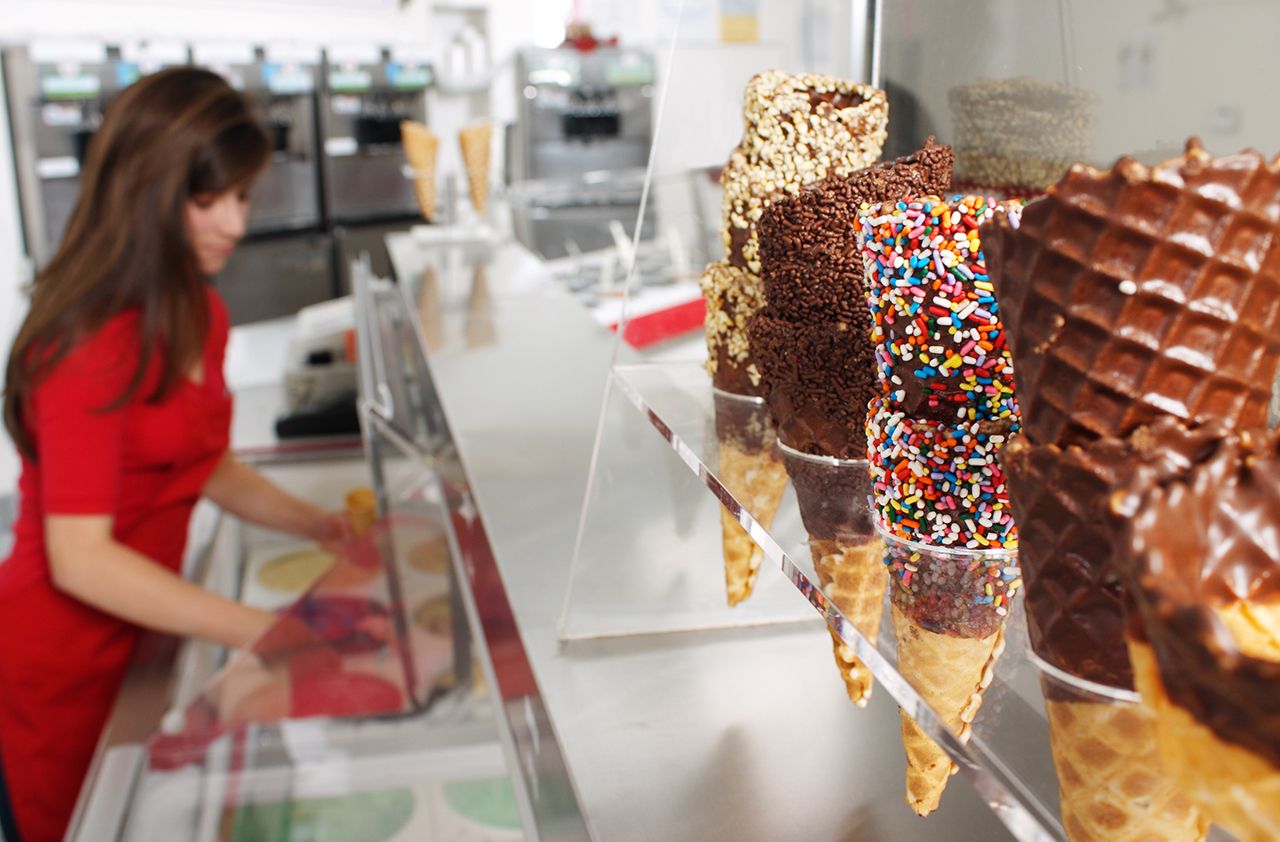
751	468
421	147
1141	292
797	130
950	674
475	141
733	296
1112	784
1204	571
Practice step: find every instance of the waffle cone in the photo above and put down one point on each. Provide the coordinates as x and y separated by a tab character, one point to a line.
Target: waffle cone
1235	787
950	674
1137	293
853	577
475	142
1112	784
421	148
757	480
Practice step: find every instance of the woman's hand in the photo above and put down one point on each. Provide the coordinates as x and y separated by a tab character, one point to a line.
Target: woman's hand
331	530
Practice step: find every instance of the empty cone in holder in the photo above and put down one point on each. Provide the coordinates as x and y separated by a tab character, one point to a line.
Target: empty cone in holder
949	608
847	554
421	148
751	469
475	142
1112	784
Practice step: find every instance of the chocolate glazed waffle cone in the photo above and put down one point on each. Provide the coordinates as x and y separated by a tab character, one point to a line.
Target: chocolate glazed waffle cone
751	469
1204	567
1136	293
1075	598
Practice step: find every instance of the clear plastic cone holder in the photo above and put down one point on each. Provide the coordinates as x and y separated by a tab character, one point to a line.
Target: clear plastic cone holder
649	559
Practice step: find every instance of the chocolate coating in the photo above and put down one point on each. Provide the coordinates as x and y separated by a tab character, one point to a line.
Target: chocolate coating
812	337
1137	293
1209	538
1076	598
832	498
743	421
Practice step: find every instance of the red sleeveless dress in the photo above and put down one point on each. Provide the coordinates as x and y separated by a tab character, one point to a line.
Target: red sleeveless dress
62	661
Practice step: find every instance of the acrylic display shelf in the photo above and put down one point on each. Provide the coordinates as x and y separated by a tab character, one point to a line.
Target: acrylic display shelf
1006	755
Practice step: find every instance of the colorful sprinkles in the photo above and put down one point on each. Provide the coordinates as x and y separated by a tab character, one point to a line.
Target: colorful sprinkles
948	402
935	317
939	482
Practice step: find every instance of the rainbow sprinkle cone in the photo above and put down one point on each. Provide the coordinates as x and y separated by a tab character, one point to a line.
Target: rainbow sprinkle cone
947	408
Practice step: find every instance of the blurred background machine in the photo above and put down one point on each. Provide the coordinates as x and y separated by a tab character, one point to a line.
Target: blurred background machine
57	91
577	152
367	91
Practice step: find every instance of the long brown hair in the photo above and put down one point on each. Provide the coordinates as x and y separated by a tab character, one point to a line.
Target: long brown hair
171	136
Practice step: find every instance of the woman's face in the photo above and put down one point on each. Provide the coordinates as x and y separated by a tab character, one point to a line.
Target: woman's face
215	223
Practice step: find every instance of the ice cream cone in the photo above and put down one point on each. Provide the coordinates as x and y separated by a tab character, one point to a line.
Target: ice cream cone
950	673
361	509
1204	573
421	148
1140	292
1235	787
751	469
475	141
1112	784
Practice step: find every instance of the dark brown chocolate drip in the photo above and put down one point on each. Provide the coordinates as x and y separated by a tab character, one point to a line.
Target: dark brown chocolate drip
743	421
737	241
1201	540
836	99
1129	297
813	336
1068	538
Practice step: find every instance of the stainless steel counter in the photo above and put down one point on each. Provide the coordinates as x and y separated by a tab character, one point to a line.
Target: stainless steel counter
737	735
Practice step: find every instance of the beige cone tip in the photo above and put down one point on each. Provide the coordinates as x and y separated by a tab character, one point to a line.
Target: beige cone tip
741	559
475	142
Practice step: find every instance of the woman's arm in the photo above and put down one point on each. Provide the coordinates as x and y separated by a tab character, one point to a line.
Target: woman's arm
247	494
87	563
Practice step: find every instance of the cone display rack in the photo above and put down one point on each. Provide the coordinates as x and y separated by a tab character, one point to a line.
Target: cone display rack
649	559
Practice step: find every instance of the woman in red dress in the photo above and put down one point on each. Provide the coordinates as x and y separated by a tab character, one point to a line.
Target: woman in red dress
116	400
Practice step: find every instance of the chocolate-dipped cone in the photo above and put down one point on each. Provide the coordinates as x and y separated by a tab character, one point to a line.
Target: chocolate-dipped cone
750	467
813	340
1112	783
1204	568
797	130
1076	595
1141	292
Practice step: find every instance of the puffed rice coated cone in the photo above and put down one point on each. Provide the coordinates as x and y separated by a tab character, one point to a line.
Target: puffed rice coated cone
757	479
853	577
950	674
1236	789
1112	785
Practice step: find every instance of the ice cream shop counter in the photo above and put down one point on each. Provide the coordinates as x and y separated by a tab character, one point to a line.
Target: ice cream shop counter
475	665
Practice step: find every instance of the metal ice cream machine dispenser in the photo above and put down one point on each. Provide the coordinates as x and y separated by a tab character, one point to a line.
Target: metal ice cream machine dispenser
57	92
582	111
367	92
